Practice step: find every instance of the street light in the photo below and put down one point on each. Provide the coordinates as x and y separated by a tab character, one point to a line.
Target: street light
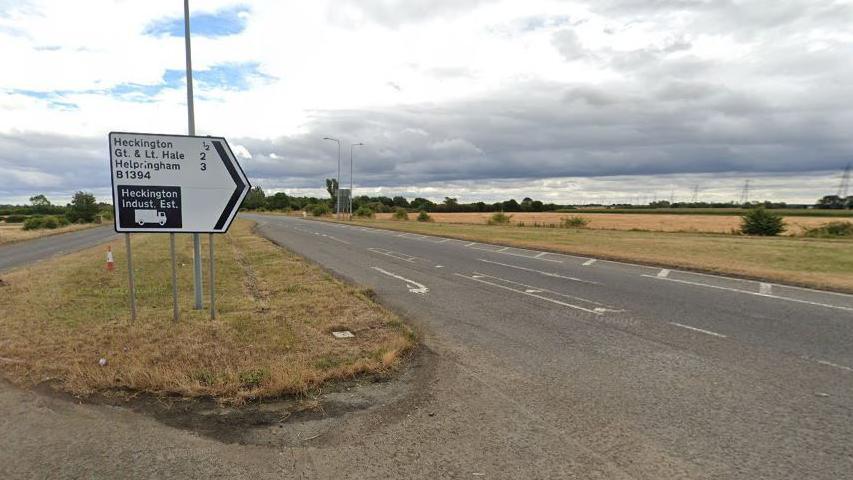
350	175
337	180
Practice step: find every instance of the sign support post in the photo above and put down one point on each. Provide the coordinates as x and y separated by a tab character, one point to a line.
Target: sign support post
212	280
197	278
131	285
174	278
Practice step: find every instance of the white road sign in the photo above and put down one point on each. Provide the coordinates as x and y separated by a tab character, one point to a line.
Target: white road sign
174	183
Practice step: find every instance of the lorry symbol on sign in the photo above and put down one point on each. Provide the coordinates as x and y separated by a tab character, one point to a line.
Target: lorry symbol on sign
149	216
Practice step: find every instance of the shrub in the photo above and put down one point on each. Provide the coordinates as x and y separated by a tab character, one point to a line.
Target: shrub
573	222
319	209
400	213
760	221
34	223
831	229
364	212
49	222
423	216
14	218
499	218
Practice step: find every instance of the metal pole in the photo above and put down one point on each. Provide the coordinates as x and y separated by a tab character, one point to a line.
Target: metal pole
130	280
350	176
197	279
338	186
212	282
174	278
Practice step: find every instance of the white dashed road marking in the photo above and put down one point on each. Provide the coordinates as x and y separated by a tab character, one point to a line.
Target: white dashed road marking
700	330
835	365
589	262
663	273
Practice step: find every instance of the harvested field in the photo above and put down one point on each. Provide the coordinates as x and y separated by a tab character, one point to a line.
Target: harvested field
809	262
627	221
272	335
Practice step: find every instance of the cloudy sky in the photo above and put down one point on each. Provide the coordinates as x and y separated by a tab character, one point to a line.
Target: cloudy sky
606	100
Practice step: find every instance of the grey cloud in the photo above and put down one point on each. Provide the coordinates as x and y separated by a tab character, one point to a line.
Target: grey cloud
395	13
518	135
568	44
54	164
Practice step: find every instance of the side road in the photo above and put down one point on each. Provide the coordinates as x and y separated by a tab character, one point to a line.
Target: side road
29	251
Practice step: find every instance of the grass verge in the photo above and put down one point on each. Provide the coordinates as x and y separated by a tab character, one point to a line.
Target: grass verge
14	232
272	335
810	262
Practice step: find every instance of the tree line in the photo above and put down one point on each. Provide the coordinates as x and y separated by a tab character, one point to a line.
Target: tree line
257	199
42	213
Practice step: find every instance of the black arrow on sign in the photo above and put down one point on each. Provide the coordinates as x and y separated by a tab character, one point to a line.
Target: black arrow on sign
232	202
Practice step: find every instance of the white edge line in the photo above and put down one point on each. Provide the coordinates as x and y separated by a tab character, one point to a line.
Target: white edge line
700	330
750	293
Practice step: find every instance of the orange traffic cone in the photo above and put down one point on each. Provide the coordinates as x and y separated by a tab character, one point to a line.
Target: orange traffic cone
110	263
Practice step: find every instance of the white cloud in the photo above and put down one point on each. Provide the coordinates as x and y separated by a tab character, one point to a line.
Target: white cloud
443	92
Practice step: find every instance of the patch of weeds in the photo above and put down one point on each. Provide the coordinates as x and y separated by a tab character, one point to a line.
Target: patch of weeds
830	230
328	362
204	377
254	378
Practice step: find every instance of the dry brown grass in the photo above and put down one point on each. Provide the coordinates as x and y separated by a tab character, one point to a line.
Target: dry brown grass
272	335
810	262
14	232
627	221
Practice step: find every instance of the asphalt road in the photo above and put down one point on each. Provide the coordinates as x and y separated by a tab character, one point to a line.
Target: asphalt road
22	253
538	366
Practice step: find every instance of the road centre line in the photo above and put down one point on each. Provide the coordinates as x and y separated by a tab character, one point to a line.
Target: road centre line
700	330
390	253
530	294
686	282
547	274
522	256
413	286
526	286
